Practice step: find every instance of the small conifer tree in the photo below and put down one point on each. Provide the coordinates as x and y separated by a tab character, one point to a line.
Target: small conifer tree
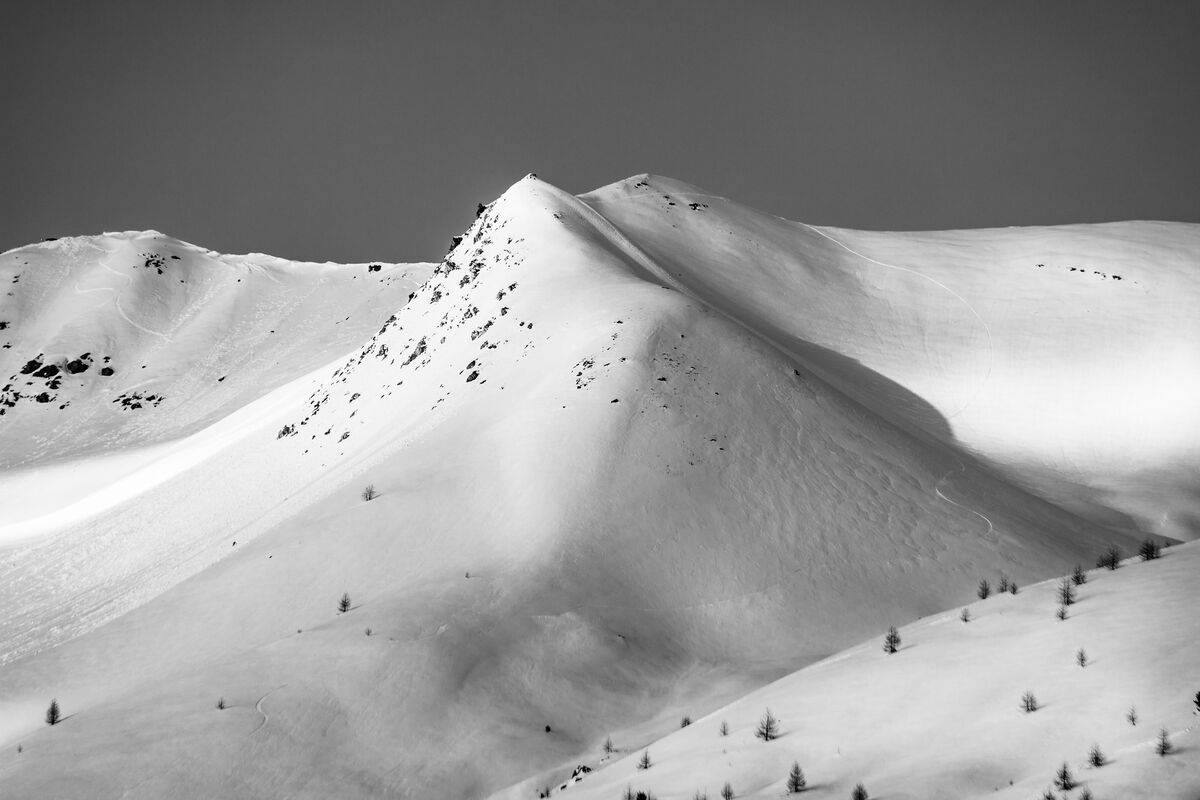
859	793
1066	592
1086	794
1063	780
1110	559
344	603
644	761
724	729
985	589
965	616
608	746
687	720
1163	745
1081	657
1096	756
796	782
1002	585
727	791
891	642
1061	613
369	493
1196	700
53	714
1012	588
1132	716
221	704
1149	550
1079	577
1029	703
768	727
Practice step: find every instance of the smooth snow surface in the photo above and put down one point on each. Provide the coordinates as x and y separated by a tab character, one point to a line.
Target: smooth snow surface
633	458
1065	356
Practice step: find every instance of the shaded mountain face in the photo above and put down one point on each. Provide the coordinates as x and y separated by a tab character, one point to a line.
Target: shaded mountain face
600	490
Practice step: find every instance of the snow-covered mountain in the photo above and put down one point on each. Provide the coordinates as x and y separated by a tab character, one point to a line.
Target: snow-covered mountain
632	452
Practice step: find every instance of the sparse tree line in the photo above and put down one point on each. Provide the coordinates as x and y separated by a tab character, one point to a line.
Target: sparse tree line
1066	595
767	729
1064	781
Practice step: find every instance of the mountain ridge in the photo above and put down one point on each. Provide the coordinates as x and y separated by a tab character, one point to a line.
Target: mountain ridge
596	500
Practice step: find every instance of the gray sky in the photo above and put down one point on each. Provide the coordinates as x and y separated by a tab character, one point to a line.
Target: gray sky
368	130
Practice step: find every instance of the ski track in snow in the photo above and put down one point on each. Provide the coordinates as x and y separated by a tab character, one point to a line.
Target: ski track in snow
258	707
938	490
103	262
956	295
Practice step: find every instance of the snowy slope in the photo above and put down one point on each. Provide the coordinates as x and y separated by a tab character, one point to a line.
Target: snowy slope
1065	356
114	346
601	500
943	716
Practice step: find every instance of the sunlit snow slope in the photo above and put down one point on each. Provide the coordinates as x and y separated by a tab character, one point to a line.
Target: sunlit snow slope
1069	357
600	499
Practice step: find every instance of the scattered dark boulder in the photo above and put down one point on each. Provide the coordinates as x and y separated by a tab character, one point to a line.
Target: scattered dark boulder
473	376
106	371
77	366
31	365
44	397
48	371
154	261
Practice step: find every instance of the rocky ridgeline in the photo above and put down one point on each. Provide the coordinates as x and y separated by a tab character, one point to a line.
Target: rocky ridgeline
474	288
